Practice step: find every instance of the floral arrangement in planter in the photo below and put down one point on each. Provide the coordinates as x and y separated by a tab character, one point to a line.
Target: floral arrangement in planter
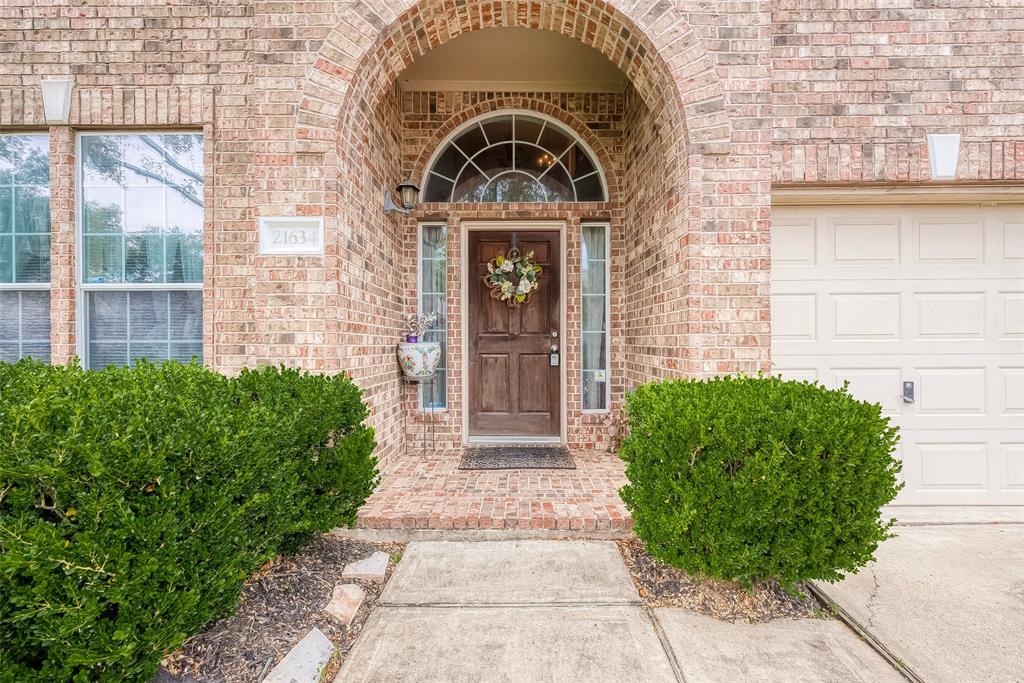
416	325
419	360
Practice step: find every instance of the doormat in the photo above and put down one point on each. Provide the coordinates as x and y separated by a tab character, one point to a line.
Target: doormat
517	458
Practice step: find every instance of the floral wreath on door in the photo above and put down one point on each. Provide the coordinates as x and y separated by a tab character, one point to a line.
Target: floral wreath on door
513	278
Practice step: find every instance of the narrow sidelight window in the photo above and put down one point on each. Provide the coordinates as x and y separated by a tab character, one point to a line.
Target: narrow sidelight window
433	267
141	254
24	247
594	267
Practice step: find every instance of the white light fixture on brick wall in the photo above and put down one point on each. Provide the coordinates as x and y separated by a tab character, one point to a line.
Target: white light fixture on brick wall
56	99
408	192
943	153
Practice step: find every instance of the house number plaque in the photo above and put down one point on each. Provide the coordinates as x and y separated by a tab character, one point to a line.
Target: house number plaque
291	236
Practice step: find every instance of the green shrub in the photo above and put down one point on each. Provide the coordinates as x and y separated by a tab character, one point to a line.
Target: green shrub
743	478
135	502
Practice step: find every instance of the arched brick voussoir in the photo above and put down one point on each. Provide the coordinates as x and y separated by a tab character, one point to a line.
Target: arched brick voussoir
651	41
330	76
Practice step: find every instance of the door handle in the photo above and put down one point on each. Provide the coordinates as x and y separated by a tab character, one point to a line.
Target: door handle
908	392
554	348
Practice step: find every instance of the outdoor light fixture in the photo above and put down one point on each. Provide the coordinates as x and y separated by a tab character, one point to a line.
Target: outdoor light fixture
943	152
56	100
407	193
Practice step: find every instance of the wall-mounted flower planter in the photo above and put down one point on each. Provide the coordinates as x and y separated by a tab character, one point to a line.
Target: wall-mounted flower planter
419	360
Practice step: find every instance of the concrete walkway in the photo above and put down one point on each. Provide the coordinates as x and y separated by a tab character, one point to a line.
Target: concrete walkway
568	611
947	600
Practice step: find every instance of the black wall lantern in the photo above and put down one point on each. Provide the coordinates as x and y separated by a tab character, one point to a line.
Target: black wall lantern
408	192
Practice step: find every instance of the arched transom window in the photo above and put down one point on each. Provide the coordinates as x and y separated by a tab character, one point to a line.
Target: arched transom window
514	158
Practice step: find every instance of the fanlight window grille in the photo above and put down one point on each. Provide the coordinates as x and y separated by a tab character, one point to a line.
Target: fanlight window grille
514	158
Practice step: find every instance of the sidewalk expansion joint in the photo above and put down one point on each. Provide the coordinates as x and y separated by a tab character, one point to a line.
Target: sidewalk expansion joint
666	646
901	667
506	605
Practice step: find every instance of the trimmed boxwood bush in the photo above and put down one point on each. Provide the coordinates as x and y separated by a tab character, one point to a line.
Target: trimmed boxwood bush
744	479
135	502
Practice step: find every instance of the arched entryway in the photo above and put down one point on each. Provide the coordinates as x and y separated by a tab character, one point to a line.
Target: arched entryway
671	132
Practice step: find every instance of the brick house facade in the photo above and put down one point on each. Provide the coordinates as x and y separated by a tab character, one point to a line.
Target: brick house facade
301	114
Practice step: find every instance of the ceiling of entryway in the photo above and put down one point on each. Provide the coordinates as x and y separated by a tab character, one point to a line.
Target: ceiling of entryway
514	59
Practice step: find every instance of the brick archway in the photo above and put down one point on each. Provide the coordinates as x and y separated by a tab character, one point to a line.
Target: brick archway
348	136
376	40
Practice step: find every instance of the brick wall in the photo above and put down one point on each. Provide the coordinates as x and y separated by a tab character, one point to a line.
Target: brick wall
858	84
300	116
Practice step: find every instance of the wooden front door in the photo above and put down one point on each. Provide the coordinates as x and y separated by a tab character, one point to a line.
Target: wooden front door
514	389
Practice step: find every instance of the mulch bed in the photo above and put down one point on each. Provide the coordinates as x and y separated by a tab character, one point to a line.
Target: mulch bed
278	606
661	585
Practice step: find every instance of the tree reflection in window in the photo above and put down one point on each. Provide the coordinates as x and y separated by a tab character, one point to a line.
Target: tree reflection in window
514	158
142	209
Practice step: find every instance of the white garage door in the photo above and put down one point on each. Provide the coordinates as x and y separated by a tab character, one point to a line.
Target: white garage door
932	295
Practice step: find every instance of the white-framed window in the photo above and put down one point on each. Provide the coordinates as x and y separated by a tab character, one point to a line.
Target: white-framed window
140	247
514	157
24	246
595	273
432	257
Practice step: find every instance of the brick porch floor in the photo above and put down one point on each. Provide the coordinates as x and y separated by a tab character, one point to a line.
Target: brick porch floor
428	491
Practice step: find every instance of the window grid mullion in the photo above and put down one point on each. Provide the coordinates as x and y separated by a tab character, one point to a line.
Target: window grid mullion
163	245
124	235
128	328
168	324
14	235
21	325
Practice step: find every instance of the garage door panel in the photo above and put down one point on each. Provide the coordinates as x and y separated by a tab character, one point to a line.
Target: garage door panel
878	296
1014	456
949	315
876	385
949	241
962	467
951	390
1010	394
858	242
921	317
863	315
794	317
1011	305
794	243
965	391
1012	242
949	466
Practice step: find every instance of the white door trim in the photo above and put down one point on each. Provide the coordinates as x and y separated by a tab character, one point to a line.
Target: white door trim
518	226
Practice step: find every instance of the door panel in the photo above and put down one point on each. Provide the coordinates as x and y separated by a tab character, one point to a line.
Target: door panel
533	395
535	317
494	374
881	295
513	390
